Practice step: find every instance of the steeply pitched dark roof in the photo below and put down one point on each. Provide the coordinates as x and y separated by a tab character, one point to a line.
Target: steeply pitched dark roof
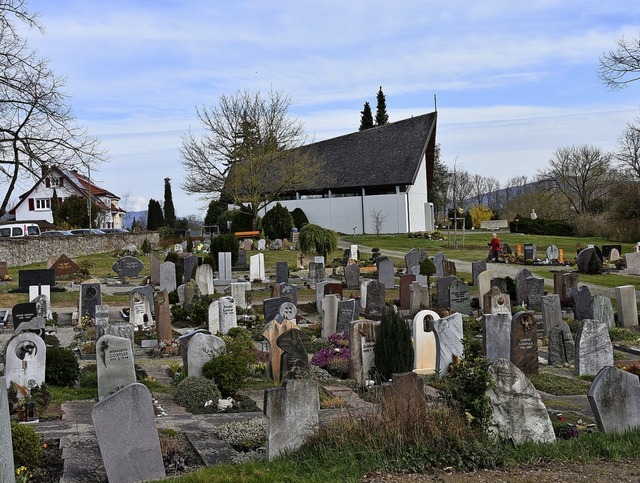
384	155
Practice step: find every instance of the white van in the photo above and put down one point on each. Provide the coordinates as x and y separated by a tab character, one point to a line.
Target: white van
19	230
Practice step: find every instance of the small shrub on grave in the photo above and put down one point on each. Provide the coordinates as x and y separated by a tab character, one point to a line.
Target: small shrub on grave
232	369
194	314
174	298
84	267
27	450
574	325
42	397
393	348
195	393
246	435
62	368
189	245
89	376
145	246
210	260
51	340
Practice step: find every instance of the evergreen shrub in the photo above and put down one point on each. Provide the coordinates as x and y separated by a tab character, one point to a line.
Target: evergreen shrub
393	348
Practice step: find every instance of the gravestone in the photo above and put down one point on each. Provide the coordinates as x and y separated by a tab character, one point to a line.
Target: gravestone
271	306
191	290
4	269
271	332
178	248
561	349
375	297
535	292
320	295
362	338
353	253
442	286
551	312
167	277
603	310
204	279
448	332
224	266
449	268
519	415
352	276
607	251
405	395
25	360
385	273
501	283
256	267
292	415
41	276
200	350
213	317
614	397
627	305
188	264
632	261
148	292
183	342
63	266
564	282
239	294
332	288
228	316
414	257
162	310
420	297
289	292
614	255
363	293
593	348
241	262
35	326
530	251
154	270
329	315
553	254
140	309
422	279
7	469
424	342
477	268
262	244
484	282
316	272
405	290
181	295
437	261
90	296
115	365
524	342
496	336
130	452
282	272
101	320
23	312
582	305
277	244
347	313
294	344
589	262
522	286
127	267
247	244
496	302
460	297
123	329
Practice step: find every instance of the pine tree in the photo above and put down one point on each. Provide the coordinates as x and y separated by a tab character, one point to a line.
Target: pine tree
366	117
382	117
55	208
155	219
169	210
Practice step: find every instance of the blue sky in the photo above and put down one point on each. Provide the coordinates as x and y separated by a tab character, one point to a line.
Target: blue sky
514	80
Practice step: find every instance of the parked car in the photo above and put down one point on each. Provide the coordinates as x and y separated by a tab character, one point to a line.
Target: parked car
114	230
19	230
56	233
87	231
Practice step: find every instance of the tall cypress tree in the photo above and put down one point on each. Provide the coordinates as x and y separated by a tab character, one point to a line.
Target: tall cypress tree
382	117
155	219
55	207
366	117
169	210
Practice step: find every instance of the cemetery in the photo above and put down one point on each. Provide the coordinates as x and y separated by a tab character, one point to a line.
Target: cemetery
199	359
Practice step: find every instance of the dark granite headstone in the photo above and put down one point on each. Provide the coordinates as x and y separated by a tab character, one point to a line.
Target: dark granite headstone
334	288
437	261
271	306
477	268
190	262
535	292
42	276
524	342
23	312
282	272
352	276
522	287
316	272
414	257
90	296
501	283
347	313
561	349
293	343
442	285
375	297
241	262
582	302
385	273
589	262
127	267
496	336
460	297
289	292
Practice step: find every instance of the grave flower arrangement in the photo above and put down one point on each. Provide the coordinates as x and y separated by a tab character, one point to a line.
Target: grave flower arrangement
334	359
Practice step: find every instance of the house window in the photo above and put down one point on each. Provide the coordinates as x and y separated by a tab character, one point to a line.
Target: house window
43	204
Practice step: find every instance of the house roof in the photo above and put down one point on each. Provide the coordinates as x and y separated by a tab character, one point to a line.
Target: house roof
380	156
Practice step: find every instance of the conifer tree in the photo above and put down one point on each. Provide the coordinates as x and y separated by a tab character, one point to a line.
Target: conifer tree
393	348
382	117
155	219
366	117
55	208
169	210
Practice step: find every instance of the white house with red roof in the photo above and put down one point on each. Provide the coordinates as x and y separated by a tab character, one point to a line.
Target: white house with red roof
35	204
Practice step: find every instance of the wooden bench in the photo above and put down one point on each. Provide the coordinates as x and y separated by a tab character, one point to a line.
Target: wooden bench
247	234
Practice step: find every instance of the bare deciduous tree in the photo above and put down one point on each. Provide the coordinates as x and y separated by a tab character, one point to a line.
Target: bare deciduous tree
621	66
629	150
581	174
251	151
459	185
378	220
37	128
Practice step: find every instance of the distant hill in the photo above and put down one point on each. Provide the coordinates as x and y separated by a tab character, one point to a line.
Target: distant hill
128	217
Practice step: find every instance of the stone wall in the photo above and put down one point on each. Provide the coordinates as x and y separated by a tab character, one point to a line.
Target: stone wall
24	251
